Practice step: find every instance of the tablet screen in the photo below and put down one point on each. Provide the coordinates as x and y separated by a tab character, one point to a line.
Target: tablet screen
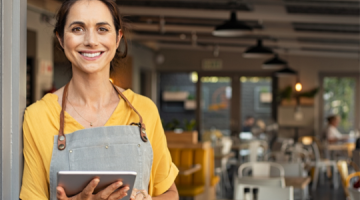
74	182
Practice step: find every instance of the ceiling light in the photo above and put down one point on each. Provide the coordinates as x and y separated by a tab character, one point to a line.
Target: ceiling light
298	87
232	28
274	63
258	51
287	71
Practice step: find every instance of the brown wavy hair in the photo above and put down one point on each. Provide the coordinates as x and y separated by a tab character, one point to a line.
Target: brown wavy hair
63	12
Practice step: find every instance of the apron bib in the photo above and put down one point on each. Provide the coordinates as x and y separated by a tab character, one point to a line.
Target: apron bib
108	148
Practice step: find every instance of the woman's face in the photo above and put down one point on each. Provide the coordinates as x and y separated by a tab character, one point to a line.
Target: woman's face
90	39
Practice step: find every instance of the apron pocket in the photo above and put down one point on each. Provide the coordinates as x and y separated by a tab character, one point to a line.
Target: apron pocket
115	157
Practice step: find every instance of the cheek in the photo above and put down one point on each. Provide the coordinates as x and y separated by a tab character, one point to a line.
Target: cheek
110	42
71	42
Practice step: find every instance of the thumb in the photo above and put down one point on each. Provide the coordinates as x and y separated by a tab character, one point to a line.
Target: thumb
60	193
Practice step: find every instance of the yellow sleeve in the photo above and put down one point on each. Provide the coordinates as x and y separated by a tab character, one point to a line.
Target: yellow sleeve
34	183
163	170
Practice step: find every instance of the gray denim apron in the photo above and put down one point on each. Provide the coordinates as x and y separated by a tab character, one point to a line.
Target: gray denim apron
108	148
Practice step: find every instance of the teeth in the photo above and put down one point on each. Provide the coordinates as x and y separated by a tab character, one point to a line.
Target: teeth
91	55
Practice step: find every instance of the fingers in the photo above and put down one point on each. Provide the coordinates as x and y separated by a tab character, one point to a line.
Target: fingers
141	195
119	194
89	189
133	194
60	193
105	194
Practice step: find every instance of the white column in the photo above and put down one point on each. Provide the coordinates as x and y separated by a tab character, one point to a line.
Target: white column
13	95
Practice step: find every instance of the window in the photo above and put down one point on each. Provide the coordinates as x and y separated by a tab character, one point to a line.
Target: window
339	99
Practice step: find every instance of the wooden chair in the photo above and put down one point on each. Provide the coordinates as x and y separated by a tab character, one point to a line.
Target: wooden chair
344	173
200	184
354	194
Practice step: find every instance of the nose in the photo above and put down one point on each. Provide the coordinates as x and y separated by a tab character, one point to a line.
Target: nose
91	38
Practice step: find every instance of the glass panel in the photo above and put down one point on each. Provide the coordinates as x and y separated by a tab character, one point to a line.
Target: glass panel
215	102
256	99
177	100
339	99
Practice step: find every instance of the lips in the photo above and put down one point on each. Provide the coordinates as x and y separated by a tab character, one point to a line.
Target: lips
91	55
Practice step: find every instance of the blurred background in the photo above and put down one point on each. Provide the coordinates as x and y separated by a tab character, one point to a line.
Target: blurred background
229	72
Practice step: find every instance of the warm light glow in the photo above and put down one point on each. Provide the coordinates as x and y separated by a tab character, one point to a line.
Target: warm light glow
298	87
111	80
194	77
307	140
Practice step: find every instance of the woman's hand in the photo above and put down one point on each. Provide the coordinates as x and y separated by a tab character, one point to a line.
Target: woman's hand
108	193
140	195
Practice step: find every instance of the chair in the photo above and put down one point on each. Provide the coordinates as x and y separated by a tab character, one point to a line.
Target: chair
320	165
201	184
354	194
344	173
265	192
294	170
256	148
290	169
221	162
262	169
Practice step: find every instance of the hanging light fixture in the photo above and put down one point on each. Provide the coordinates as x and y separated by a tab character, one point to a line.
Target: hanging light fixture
258	51
232	28
274	63
286	71
298	85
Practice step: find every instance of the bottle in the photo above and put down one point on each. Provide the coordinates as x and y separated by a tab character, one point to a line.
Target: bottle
255	193
247	194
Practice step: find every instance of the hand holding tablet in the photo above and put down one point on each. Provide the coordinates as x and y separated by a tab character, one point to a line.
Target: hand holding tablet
95	185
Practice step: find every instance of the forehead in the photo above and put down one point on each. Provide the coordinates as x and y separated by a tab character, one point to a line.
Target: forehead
89	11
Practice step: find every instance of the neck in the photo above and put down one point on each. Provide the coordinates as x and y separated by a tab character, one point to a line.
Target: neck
94	90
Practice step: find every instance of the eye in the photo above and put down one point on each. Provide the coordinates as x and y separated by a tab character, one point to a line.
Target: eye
77	29
102	29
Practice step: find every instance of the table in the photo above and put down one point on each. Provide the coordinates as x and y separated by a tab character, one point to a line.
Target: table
188	171
349	147
295	182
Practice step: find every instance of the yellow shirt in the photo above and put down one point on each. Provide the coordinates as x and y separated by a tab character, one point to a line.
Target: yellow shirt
42	122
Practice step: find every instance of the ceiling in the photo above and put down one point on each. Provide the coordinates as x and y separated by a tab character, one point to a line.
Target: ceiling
319	27
309	27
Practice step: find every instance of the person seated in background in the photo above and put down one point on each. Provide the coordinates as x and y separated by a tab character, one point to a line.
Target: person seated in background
249	123
331	133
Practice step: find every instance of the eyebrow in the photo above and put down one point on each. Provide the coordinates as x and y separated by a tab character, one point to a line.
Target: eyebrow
83	24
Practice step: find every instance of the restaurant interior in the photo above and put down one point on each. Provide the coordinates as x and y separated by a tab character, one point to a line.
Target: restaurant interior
246	90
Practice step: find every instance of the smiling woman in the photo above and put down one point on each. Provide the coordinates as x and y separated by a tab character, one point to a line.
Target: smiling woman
88	124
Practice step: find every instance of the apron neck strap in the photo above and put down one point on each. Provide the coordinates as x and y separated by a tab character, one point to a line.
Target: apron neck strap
61	135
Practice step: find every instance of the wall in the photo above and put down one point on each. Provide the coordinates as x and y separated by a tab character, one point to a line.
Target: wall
44	48
143	59
308	67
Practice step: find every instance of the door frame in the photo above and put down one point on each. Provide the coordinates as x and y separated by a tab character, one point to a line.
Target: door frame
13	94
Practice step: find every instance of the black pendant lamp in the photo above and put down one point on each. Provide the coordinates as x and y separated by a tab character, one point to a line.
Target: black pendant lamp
232	28
286	71
258	51
274	63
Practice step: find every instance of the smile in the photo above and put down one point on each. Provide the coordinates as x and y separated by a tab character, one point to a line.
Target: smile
91	55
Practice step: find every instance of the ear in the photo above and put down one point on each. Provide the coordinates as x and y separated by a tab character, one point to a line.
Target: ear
118	39
59	39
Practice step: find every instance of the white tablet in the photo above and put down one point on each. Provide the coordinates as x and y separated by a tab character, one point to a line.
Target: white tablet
74	182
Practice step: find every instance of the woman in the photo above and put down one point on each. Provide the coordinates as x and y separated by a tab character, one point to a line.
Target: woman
77	127
331	133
